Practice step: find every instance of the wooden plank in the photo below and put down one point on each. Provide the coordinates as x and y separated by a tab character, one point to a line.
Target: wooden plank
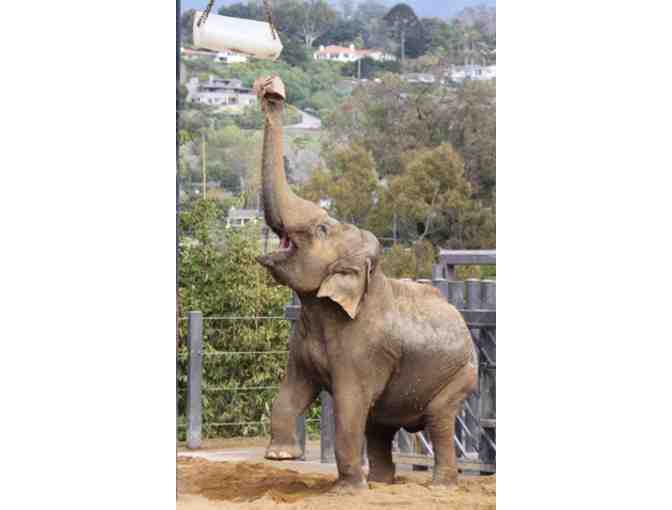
479	318
488	422
426	460
468	257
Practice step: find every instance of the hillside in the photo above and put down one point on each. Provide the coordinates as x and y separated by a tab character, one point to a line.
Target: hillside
423	8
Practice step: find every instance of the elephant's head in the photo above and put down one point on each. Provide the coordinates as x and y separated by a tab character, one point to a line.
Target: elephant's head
318	254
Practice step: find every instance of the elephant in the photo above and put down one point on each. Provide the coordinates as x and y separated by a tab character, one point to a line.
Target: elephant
392	353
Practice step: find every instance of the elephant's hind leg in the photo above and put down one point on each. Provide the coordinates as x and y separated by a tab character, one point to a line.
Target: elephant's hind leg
379	448
441	430
441	414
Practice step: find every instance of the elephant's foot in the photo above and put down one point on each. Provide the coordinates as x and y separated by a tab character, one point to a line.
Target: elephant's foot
444	481
283	452
381	475
348	487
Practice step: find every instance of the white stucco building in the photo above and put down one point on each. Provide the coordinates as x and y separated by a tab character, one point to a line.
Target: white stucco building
471	72
350	54
228	94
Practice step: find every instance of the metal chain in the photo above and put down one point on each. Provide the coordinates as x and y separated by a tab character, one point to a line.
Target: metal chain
267	7
205	14
269	16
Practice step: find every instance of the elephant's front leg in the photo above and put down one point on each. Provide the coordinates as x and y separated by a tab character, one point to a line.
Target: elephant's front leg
351	409
297	392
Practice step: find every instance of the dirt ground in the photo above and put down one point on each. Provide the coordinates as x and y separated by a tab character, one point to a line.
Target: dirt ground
206	485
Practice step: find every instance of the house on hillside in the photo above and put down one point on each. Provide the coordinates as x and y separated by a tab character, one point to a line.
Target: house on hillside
228	94
418	78
459	74
230	57
351	54
239	218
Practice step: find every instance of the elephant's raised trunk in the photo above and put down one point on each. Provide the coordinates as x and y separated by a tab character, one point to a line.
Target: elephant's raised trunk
283	210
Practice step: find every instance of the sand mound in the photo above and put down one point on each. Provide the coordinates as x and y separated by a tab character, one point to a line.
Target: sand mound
205	485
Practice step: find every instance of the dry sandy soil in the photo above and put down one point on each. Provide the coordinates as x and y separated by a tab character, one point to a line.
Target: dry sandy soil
206	485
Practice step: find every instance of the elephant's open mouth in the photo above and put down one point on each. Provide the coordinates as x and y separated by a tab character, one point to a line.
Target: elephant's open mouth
276	258
286	249
286	243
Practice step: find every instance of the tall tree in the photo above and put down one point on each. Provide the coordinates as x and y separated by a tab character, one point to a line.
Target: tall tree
186	27
351	183
404	24
308	19
431	190
347	8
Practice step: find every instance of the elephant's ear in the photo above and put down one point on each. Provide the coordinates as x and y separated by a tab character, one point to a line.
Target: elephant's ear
347	285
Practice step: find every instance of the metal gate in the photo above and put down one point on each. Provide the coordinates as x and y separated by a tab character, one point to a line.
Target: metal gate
475	427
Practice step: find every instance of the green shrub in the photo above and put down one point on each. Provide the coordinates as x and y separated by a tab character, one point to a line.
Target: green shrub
224	279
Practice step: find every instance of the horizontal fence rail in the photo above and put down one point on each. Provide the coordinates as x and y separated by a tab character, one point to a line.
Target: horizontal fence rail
475	426
197	389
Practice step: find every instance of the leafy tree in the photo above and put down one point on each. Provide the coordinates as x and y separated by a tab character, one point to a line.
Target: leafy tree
224	279
432	190
308	19
355	183
318	186
402	262
294	53
347	8
394	117
402	22
186	27
351	183
252	9
474	133
343	31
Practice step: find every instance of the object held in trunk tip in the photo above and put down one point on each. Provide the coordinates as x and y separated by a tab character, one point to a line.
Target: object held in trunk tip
251	37
271	86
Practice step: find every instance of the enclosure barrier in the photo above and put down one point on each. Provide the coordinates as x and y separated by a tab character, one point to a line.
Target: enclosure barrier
196	388
475	427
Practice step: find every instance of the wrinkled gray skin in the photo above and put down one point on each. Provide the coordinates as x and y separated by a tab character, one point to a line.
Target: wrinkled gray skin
392	353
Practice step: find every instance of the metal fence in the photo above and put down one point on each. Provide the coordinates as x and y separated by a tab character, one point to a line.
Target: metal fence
475	427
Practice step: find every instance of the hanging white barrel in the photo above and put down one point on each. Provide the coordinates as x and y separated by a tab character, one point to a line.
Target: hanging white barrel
220	33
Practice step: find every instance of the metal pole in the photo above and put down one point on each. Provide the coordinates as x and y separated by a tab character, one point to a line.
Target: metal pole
455	293
203	157
178	40
327	429
489	294
473	419
487	378
194	380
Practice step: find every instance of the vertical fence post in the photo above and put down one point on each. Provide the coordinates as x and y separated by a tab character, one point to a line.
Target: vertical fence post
327	429
487	378
473	419
489	294
455	296
442	285
194	380
456	293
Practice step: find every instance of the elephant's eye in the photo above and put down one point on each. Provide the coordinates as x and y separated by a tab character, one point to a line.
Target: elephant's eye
322	231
